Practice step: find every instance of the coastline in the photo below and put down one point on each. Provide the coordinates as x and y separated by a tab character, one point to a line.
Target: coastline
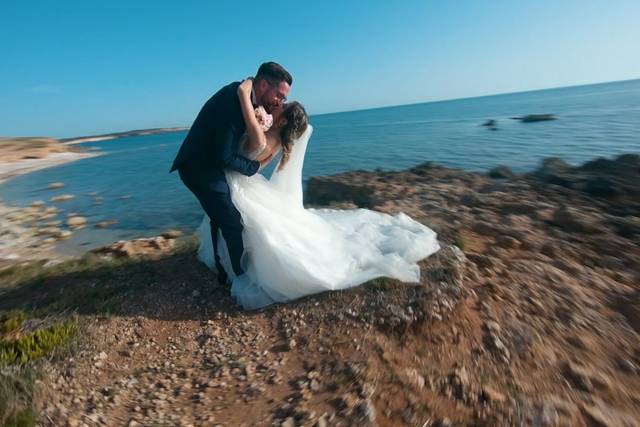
10	170
116	135
60	151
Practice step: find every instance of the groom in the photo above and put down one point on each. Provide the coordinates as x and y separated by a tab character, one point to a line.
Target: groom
212	145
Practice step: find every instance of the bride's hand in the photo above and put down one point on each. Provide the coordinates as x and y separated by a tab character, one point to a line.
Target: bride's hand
246	86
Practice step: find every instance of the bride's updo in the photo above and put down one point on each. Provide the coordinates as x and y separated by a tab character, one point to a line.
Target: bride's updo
297	121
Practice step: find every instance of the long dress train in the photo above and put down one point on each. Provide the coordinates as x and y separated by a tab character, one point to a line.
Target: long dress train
291	251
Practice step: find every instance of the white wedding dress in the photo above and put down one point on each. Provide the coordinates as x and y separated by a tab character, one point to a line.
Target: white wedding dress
291	251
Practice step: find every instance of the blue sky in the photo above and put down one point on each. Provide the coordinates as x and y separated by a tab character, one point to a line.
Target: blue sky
76	68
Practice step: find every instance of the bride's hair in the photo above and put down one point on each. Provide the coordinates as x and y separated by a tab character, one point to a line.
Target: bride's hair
297	122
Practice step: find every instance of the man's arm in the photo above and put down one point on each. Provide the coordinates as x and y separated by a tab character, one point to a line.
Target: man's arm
230	159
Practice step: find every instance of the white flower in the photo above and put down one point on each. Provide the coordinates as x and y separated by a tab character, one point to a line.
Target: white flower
265	119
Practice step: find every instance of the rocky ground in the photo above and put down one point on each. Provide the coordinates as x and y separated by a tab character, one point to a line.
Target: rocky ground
529	315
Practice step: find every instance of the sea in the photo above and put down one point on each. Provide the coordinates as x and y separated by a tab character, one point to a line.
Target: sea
130	182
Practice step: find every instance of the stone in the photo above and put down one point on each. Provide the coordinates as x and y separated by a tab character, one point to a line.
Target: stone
572	220
49	231
501	172
172	234
508	242
367	411
76	221
443	422
314	385
492	395
62	198
578	375
147	247
493	327
599	414
415	378
105	224
530	118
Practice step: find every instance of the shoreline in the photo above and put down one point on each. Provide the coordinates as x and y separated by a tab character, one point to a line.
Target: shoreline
10	170
116	135
606	181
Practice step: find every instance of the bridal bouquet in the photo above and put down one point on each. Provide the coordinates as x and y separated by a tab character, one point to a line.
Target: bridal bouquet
265	119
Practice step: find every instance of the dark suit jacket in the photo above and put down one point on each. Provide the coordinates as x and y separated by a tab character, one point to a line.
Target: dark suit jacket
212	142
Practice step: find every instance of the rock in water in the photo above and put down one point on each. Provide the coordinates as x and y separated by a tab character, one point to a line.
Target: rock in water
76	221
62	198
105	224
530	118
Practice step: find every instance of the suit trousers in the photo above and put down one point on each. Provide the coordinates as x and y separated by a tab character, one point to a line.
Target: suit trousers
223	215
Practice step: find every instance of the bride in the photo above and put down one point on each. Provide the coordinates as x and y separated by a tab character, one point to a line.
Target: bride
291	251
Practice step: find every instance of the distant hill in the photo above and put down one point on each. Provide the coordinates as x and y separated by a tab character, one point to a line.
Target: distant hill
107	136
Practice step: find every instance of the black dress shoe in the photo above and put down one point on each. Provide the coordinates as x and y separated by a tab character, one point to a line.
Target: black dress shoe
223	279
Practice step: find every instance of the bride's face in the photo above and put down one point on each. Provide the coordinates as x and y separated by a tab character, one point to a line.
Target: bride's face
278	119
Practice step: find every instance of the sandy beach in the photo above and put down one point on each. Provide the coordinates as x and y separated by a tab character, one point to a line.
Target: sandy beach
19	167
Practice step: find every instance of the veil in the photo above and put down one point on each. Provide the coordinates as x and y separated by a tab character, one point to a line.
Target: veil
289	180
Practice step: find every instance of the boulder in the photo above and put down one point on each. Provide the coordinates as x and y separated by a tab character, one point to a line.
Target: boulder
147	247
327	190
573	220
530	118
76	221
49	231
105	224
172	234
38	204
501	172
62	198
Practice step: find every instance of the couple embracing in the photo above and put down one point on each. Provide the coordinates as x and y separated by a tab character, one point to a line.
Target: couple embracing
256	233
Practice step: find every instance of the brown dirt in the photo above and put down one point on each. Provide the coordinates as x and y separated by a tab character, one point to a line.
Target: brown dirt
536	324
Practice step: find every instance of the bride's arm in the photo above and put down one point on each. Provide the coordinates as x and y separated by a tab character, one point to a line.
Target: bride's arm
257	138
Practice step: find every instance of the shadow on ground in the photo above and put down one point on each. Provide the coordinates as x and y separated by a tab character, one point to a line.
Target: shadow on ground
176	287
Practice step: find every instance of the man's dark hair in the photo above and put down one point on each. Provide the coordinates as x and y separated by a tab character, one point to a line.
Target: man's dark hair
274	73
